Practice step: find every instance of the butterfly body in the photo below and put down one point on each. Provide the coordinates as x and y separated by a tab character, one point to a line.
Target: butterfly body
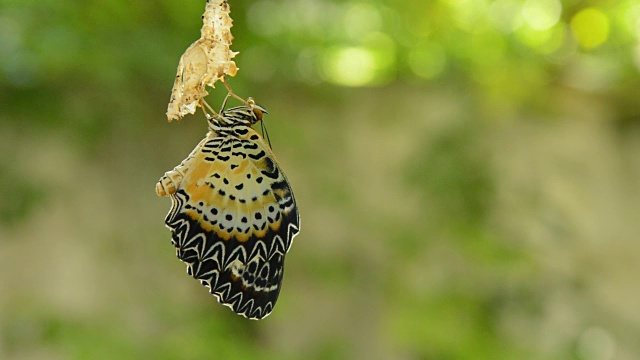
233	215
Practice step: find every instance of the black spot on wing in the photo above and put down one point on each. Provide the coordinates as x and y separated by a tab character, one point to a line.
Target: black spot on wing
242	131
257	156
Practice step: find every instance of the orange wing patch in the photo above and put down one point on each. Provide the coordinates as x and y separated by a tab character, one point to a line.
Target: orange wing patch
230	196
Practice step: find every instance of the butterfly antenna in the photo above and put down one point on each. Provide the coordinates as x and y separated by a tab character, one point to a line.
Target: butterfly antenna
265	133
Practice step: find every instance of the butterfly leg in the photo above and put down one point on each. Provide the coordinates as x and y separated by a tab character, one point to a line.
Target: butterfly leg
204	105
232	94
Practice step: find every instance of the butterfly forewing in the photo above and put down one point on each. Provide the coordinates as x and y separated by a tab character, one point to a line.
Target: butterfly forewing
233	218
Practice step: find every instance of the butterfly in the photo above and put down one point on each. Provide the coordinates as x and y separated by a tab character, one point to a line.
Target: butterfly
233	214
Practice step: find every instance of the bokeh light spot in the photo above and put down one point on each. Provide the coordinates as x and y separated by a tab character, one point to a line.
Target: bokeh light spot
542	14
543	41
470	15
350	66
505	15
590	27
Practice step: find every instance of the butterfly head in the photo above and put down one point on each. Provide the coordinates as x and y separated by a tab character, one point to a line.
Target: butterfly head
257	110
246	115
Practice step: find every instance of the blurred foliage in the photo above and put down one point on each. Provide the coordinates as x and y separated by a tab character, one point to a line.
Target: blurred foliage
467	174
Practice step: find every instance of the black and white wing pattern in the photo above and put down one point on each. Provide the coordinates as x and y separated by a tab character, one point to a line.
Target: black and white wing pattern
233	215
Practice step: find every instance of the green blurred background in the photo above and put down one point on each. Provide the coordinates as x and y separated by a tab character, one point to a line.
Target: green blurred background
467	173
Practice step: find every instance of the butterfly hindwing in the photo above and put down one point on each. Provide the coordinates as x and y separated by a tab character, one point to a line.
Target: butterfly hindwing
233	218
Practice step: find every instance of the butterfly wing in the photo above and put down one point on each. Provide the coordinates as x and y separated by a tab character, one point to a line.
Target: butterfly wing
233	218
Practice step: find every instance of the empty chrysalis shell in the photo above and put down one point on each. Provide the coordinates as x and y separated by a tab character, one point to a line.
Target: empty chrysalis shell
205	62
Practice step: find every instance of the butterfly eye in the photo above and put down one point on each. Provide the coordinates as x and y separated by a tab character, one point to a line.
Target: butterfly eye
258	113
